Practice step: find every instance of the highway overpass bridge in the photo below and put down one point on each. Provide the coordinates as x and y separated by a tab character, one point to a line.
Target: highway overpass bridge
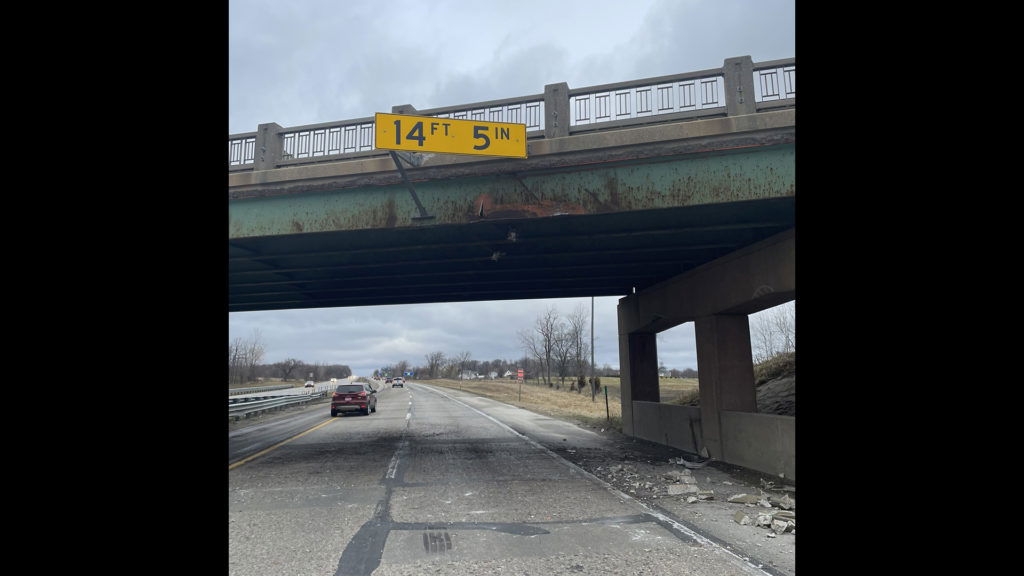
676	193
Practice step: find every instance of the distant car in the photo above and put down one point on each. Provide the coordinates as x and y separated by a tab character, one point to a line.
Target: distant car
353	397
398	382
387	381
310	384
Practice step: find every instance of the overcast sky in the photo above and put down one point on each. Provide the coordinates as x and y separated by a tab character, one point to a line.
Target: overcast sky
309	61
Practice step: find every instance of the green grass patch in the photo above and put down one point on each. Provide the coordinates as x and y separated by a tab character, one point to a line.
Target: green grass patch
775	367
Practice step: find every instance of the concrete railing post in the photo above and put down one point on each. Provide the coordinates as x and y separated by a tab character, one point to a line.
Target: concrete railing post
739	86
268	146
556	110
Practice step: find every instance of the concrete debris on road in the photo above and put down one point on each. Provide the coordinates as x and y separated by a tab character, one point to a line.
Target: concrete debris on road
786	503
744	499
691	465
778	521
683	476
672	480
677	489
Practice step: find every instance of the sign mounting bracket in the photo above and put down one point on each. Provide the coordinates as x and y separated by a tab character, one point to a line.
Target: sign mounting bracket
419	206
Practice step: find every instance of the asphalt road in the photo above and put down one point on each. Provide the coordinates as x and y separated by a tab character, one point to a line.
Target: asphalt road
440	483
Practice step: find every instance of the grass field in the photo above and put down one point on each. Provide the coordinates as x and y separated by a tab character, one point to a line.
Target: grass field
565	404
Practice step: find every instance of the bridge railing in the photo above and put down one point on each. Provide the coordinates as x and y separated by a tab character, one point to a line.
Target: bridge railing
666	98
775	84
527	110
739	87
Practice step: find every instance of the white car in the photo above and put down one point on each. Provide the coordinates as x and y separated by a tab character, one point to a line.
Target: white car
310	384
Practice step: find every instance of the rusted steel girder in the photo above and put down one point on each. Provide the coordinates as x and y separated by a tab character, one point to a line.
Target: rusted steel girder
730	175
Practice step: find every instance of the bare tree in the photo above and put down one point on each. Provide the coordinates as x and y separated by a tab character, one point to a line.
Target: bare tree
532	346
785	326
244	358
561	350
254	355
460	361
286	368
540	344
547	329
401	368
576	326
235	360
773	332
434	362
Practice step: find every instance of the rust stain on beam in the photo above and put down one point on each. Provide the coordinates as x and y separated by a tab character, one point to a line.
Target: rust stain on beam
491	210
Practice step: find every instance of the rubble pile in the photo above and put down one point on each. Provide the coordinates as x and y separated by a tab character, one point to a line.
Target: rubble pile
771	507
627	478
684	484
781	517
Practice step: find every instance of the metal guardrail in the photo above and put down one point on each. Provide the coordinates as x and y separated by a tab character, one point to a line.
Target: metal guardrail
244	407
740	86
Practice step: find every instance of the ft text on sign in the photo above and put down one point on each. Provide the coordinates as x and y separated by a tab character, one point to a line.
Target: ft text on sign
449	135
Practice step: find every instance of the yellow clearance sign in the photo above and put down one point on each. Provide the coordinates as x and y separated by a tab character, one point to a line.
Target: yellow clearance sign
449	136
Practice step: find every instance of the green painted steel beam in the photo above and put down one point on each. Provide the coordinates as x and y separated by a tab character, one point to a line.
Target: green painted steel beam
754	173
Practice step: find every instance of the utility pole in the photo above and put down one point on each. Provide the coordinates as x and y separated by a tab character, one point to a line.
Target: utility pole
593	389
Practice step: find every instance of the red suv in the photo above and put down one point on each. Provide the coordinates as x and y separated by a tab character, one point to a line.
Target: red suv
352	397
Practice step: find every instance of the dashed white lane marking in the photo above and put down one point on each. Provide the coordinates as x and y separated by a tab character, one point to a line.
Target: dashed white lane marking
393	466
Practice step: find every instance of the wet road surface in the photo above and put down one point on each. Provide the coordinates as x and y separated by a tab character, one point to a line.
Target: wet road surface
431	484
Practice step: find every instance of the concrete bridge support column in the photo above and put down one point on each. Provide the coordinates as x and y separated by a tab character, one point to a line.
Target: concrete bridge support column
638	372
643	349
725	372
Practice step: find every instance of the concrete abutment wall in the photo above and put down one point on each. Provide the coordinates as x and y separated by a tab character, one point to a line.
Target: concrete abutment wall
717	297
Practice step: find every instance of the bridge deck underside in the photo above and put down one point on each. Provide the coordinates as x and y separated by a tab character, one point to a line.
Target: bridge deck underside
571	255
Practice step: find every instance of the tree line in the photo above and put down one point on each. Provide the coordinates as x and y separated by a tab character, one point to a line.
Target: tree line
556	349
245	357
438	364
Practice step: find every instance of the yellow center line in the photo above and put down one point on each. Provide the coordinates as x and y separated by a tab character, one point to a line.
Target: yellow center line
279	444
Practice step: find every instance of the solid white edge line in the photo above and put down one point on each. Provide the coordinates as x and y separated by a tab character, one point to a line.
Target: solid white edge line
615	491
